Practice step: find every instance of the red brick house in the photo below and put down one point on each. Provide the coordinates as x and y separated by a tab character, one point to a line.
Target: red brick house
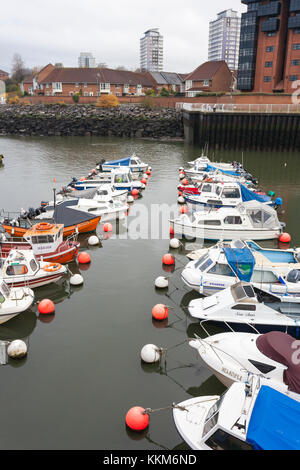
63	82
213	76
3	75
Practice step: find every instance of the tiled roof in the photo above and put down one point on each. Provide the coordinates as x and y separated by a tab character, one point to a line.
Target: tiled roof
167	78
95	75
3	73
206	71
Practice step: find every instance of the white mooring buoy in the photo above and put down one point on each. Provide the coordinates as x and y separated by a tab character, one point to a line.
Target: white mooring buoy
161	282
93	240
175	243
181	200
76	280
150	354
17	349
130	199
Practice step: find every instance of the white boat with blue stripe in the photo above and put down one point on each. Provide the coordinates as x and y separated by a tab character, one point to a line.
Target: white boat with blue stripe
134	164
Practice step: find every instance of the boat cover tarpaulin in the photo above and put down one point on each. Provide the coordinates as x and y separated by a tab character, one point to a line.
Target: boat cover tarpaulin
122	162
241	261
67	216
280	348
226	172
248	195
275	422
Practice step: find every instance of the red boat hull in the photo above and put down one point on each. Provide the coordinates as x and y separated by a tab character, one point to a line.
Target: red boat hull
66	252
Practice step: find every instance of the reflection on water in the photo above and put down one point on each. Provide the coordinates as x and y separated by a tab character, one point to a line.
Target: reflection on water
89	350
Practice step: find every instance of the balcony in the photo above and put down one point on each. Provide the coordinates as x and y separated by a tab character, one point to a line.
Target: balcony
270	25
295	5
294	22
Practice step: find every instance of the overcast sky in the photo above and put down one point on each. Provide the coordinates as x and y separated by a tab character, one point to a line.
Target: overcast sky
58	30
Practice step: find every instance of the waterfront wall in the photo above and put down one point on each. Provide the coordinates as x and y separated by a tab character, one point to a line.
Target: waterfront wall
88	120
242	131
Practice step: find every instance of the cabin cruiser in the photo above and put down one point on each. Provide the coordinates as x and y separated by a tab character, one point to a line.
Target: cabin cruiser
204	161
233	171
103	193
134	164
74	221
13	301
219	267
120	178
232	357
22	269
47	244
107	210
217	195
248	220
238	308
204	184
241	419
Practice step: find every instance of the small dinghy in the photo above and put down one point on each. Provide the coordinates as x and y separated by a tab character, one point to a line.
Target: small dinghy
275	273
13	301
232	357
22	269
47	245
249	220
242	419
74	221
238	308
134	163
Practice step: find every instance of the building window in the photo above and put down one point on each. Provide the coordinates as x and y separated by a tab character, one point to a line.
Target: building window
104	86
71	93
47	85
205	82
91	93
270	49
271	35
188	84
267	79
295	62
297	31
296	47
76	84
269	64
293	78
85	85
86	93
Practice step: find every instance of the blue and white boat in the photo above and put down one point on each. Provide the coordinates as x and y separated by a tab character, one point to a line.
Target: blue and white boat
120	178
255	416
228	195
134	163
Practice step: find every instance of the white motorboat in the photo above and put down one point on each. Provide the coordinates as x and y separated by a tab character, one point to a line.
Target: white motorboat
233	356
13	301
238	307
217	195
272	272
120	178
22	269
134	164
103	193
107	210
249	220
244	418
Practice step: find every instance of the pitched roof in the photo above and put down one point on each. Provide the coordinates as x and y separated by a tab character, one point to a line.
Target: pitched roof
206	71
3	73
96	75
166	78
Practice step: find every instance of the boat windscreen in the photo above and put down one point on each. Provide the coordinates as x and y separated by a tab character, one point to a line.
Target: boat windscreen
243	291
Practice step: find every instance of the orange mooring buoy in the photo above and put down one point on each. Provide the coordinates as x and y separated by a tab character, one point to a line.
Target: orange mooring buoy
137	419
160	312
84	258
46	307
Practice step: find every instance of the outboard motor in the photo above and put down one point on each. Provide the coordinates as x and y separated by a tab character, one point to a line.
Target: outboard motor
73	182
293	276
31	213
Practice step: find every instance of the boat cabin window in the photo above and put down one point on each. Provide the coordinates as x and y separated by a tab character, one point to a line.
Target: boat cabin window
121	178
2	298
203	266
218	191
16	270
102	192
212	416
211	222
264	368
221	440
231	193
207	188
233	220
263	277
200	261
221	270
5	289
242	292
42	239
33	265
258	217
245	307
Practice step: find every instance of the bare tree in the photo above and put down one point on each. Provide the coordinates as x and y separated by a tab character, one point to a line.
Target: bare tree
18	68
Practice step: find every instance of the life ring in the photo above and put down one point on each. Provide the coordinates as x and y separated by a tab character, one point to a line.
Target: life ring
52	267
44	226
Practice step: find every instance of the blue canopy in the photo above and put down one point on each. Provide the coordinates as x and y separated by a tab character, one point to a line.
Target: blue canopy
226	172
241	261
248	195
122	162
275	422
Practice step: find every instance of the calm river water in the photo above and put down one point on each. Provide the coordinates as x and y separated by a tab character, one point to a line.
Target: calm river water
83	370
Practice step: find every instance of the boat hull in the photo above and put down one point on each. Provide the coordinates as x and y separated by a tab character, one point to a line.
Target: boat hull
63	256
34	282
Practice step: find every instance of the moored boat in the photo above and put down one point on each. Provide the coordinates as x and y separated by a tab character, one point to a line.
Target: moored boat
13	301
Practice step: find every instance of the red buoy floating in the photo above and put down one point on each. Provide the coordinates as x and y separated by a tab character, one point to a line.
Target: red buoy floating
144	181
160	312
107	228
168	259
148	172
285	238
184	210
137	419
172	231
180	194
135	192
46	307
84	258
